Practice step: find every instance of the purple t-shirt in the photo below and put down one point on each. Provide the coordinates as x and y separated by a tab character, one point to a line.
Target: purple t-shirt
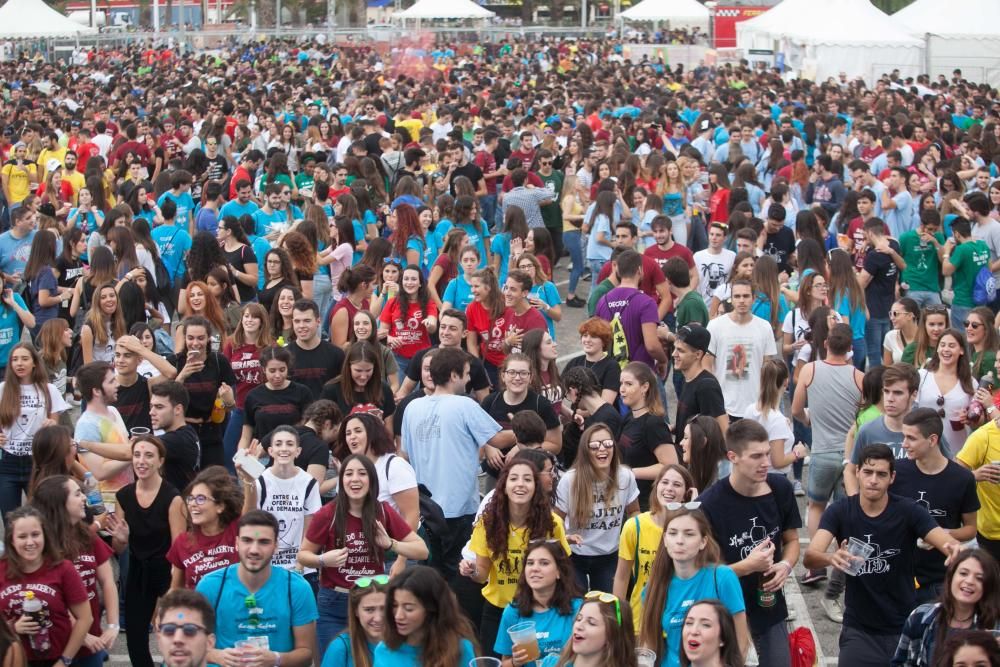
635	309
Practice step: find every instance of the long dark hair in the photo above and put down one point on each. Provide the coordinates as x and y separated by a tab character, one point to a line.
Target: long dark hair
987	612
729	651
707	447
10	397
50	498
371	510
496	515
15	567
604	205
963	368
378	438
41	254
361	351
566	589
49	449
423	295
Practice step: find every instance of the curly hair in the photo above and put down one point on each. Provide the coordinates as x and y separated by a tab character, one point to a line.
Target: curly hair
225	491
496	515
205	254
301	254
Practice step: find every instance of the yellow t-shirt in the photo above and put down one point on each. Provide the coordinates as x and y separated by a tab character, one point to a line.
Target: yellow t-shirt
75	179
47	154
502	584
412	127
981	448
650	537
19	182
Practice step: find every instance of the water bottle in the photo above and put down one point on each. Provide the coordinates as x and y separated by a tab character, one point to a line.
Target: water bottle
976	408
95	503
793	281
32	607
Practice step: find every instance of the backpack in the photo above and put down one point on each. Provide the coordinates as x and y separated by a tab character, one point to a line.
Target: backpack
984	289
619	343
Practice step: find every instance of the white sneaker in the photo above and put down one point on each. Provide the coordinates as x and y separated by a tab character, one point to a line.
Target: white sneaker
799	491
834	609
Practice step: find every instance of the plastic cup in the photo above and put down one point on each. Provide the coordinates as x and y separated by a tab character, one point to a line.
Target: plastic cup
645	657
485	662
137	431
524	637
860	551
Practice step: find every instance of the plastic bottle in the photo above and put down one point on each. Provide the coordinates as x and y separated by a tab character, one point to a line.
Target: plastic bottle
218	412
32	607
976	407
95	503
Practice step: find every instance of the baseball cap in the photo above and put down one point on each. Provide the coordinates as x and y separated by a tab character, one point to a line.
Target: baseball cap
704	125
52	165
695	336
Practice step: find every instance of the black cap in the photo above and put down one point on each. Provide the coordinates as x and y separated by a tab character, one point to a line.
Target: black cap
695	336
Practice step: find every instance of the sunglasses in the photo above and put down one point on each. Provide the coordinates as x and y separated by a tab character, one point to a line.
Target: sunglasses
606	598
393	260
692	505
189	629
365	582
940	404
974	325
594	445
936	309
254	610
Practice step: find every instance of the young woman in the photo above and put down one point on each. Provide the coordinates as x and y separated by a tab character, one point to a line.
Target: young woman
905	317
969	648
213	505
933	323
337	255
281	314
198	300
970	600
365	328
848	298
223	291
54	339
547	596
518	513
466	217
27	403
812	294
602	635
47	297
983	339
252	335
360	385
645	441
600	226
278	273
642	534
102	272
239	256
709	637
275	402
573	206
303	258
32	565
374	528
767	413
52	453
86	217
424	625
704	451
458	292
409	243
947	385
595	341
446	267
408	320
508	242
64	508
598	473
769	303
671	188
69	265
356	285
355	647
544	295
103	325
687	567
722	302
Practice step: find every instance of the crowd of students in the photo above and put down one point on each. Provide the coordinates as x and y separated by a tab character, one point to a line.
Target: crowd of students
274	321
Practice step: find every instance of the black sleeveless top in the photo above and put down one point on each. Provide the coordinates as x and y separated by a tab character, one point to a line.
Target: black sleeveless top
149	528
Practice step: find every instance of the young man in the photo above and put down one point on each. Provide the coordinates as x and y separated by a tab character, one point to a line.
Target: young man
174	243
242	204
529	199
167	409
777	241
740	343
881	595
665	248
271	213
878	277
208	216
100	431
963	257
825	187
15	243
185	628
273	607
755	520
981	455
689	306
653	282
944	487
700	393
897	203
133	388
451	333
714	263
921	249
314	361
442	436
180	194
245	171
637	311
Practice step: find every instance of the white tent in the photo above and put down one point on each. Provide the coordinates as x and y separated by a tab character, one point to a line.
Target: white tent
967	36
680	13
22	19
445	9
849	36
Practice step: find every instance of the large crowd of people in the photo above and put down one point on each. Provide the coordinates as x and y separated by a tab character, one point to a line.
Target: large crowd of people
281	384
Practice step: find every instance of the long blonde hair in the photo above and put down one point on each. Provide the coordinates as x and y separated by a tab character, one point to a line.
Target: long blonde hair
98	324
773	374
587	477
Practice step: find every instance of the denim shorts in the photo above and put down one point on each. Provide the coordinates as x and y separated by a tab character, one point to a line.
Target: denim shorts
826	476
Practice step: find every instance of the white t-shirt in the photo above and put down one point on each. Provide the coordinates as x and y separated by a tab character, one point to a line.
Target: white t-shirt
796	324
739	351
290	501
21	433
893	343
400	477
602	531
956	400
778	428
713	270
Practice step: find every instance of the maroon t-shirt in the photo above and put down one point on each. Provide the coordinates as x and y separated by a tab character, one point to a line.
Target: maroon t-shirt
245	361
676	250
86	565
197	554
359	561
58	587
652	275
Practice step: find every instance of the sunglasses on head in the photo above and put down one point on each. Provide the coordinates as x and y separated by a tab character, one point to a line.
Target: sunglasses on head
692	505
365	582
936	309
606	598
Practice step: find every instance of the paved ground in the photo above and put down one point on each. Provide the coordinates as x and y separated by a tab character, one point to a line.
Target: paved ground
804	600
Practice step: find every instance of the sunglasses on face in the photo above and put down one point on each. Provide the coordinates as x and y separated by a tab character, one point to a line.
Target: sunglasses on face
189	629
973	325
594	445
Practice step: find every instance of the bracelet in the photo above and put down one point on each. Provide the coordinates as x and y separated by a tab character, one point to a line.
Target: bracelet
112	626
789	565
277	659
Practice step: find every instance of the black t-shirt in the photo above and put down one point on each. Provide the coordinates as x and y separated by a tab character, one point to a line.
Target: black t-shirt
266	409
741	523
607	370
397	417
478	379
203	386
133	404
880	598
946	496
780	246
149	527
638	442
881	290
183	456
499	409
332	392
314	450
471	171
265	297
502	151
218	168
700	396
605	414
239	259
317	366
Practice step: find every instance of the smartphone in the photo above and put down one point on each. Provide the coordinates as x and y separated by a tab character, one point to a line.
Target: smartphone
250	465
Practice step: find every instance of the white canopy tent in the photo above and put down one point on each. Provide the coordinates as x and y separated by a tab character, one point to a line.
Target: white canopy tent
444	9
851	36
25	19
679	13
966	36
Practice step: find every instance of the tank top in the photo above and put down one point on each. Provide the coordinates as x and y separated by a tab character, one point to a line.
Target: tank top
149	527
351	309
833	403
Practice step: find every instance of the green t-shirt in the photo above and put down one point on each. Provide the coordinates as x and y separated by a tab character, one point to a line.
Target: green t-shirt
280	178
691	308
304	181
968	259
866	415
552	213
910	352
983	363
922	264
595	296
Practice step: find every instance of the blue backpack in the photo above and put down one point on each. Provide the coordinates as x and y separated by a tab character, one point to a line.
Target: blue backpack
984	289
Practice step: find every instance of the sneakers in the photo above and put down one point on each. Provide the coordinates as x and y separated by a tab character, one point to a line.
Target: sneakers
833	609
799	491
813	577
790	616
575	302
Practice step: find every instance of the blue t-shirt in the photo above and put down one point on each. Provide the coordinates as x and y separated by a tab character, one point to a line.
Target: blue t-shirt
602	225
476	233
500	245
45	280
10	328
185	206
856	317
899	219
260	247
338	653
762	307
409	656
458	292
359	236
549	293
173	242
552	629
264	221
423	249
207	221
238	210
88	221
14	252
285	602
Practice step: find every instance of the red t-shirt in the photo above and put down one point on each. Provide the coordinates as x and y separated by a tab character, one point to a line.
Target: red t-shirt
86	565
485	161
652	275
359	561
239	174
492	334
335	193
345	304
409	327
198	554
245	361
855	231
661	256
58	587
532	179
448	272
718	206
86	151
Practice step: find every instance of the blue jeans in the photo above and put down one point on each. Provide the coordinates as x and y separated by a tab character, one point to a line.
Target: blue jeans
958	316
599	570
574	243
332	617
875	330
323	296
925	299
860	349
403	364
231	438
595	270
15	472
95	660
488	209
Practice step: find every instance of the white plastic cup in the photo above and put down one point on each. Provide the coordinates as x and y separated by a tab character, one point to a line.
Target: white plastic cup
485	662
524	635
137	431
860	551
645	657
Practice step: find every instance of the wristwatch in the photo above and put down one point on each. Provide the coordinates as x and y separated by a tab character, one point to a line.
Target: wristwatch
67	661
